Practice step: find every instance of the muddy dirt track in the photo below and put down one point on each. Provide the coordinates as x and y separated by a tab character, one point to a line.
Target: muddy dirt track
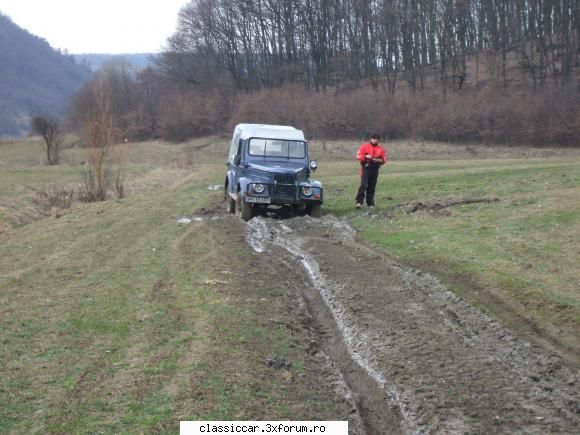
410	356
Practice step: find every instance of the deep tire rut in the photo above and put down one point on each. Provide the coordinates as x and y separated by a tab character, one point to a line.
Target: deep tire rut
374	412
416	357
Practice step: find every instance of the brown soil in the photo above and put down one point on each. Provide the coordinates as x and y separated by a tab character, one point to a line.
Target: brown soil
436	207
396	350
512	315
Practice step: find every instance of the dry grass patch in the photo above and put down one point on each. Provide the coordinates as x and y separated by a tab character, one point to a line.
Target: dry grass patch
421	151
150	167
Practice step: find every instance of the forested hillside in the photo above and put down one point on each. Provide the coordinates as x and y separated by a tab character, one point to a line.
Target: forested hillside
322	43
35	79
447	70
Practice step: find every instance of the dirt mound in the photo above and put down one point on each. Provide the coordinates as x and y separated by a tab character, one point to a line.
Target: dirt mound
436	205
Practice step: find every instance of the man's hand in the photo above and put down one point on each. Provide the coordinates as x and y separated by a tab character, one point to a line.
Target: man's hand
368	156
377	160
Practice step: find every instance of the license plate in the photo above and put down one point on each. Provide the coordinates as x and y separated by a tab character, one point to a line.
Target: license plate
259	199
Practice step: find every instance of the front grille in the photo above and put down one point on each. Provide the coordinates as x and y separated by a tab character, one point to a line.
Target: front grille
285	191
285	186
285	178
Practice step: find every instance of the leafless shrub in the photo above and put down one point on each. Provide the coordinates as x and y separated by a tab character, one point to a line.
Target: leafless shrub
99	133
9	140
328	115
489	115
96	182
473	114
184	115
56	196
119	182
498	116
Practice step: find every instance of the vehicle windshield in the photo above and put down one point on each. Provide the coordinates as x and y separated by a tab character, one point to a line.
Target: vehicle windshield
293	149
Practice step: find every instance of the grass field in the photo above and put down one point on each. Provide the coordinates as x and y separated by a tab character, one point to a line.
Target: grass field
111	321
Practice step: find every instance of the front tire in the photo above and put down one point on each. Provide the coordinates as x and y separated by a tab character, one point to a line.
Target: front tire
245	209
315	210
231	204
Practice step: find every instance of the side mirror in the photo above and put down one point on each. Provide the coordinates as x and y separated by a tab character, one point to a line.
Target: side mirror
237	160
313	165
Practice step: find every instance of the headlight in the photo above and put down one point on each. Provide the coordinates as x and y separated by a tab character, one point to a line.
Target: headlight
258	188
307	190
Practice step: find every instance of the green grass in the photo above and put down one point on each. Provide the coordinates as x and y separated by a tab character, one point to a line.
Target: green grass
81	290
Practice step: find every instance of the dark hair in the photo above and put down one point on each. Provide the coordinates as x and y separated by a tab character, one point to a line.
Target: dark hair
376	136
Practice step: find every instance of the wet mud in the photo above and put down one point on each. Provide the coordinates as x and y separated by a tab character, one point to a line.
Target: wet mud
414	356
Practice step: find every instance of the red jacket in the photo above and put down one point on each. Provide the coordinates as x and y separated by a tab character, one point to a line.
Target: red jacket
375	151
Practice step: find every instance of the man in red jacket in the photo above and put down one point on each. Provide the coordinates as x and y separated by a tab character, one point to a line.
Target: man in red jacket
371	157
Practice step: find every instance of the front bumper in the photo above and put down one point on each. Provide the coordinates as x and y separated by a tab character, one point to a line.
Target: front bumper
282	194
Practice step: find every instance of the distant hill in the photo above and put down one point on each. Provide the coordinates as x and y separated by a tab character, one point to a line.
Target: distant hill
35	79
95	60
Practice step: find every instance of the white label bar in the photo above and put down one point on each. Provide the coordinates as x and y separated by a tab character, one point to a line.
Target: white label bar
263	427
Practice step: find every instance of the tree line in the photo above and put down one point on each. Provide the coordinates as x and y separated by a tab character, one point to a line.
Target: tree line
449	70
328	43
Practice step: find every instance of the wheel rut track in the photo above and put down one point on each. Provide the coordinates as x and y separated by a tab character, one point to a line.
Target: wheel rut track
373	413
437	364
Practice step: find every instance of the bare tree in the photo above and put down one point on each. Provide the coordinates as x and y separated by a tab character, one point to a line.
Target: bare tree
266	43
48	129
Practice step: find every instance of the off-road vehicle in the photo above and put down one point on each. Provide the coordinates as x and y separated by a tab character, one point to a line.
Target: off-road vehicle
268	166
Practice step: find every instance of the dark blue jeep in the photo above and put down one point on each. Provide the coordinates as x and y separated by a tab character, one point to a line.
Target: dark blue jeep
268	166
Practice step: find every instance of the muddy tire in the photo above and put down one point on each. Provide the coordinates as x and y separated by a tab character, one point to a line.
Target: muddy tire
231	204
246	211
315	210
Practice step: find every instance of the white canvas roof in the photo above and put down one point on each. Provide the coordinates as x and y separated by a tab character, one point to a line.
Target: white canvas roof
285	132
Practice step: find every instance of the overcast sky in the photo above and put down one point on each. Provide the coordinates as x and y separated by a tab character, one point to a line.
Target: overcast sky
97	26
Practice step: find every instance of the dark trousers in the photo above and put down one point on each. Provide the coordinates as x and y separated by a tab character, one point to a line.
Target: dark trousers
368	182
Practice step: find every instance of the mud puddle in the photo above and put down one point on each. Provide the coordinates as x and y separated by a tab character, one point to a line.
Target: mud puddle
416	357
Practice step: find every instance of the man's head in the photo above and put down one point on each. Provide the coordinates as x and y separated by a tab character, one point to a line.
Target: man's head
375	137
